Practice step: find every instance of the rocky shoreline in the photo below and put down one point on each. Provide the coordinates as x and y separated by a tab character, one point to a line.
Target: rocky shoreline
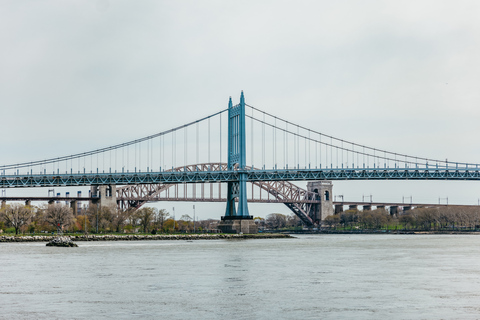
207	236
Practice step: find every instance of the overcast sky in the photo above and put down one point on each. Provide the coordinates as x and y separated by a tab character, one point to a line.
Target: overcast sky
397	75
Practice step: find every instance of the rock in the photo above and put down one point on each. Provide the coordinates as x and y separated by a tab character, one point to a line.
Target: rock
61	242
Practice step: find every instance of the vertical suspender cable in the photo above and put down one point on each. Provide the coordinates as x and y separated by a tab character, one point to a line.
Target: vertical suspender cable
220	116
283	148
252	157
148	154
197	146
336	147
326	154
273	147
309	150
263	142
185	146
208	140
331	152
298	147
286	144
320	149
305	151
342	152
295	155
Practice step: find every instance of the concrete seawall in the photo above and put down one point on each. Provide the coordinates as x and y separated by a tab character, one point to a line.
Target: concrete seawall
145	237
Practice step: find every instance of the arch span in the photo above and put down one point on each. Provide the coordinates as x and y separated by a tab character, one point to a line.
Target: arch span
298	200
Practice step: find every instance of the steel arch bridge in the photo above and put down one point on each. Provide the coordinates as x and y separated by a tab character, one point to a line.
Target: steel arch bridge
300	201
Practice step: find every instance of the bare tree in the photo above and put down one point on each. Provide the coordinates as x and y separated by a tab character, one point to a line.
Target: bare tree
59	215
16	215
293	221
276	220
145	215
120	217
160	217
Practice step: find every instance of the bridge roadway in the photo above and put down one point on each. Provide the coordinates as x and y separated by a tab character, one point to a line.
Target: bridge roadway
193	199
198	175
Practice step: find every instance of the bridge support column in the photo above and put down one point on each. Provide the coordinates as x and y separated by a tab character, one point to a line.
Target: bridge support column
106	196
237	221
74	206
393	210
4	203
352	207
367	207
338	208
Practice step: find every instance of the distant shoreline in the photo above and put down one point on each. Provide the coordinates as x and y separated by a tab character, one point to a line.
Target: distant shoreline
207	236
385	232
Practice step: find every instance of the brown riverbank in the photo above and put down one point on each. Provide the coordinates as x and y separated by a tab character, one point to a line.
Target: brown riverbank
215	236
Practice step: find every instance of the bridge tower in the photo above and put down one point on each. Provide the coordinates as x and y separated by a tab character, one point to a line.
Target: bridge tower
323	192
237	220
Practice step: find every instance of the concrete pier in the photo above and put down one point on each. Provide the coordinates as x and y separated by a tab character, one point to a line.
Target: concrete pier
338	208
238	225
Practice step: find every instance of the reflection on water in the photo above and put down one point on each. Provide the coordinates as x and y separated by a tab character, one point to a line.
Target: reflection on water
310	277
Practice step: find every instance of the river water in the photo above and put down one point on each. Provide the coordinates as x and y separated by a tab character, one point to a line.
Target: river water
309	277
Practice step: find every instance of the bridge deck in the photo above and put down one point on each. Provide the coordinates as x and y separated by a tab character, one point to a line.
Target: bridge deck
129	178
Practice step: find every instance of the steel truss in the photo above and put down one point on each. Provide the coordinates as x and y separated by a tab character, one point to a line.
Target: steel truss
219	173
297	199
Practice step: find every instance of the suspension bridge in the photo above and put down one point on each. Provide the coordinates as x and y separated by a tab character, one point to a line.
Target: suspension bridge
219	154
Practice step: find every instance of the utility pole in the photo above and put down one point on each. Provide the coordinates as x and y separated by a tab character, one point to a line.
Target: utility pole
193	218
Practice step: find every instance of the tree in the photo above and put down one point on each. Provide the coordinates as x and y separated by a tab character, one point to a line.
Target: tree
83	221
16	215
170	225
293	221
59	215
425	217
348	217
406	220
160	217
332	220
276	220
119	218
145	216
